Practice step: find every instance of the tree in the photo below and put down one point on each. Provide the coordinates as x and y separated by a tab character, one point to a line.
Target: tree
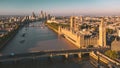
112	54
109	31
90	46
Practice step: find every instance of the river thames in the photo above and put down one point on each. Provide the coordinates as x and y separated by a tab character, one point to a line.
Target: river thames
36	37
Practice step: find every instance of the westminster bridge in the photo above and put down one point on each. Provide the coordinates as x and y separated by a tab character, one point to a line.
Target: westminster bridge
50	54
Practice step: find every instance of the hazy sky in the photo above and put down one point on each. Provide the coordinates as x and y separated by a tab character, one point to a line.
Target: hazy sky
61	7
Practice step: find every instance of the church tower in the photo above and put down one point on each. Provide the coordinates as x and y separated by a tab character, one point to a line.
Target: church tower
102	33
74	23
71	23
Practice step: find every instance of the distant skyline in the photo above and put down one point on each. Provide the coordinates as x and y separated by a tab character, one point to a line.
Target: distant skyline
60	7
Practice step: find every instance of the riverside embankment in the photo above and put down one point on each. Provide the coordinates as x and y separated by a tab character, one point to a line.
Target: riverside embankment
10	35
52	27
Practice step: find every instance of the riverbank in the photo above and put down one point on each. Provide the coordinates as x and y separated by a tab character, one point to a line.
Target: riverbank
12	34
51	27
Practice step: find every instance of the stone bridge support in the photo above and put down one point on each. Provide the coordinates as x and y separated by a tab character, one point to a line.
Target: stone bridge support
51	55
50	58
79	55
66	56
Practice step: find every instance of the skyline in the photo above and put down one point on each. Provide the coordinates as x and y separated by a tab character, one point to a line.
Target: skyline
60	7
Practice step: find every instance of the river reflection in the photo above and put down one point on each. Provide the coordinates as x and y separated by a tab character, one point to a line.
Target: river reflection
36	38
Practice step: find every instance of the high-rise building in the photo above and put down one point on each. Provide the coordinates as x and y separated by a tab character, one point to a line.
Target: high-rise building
102	34
45	15
33	15
48	16
42	14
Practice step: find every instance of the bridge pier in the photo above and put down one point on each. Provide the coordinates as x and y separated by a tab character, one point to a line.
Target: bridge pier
79	55
50	58
66	56
15	61
51	55
33	59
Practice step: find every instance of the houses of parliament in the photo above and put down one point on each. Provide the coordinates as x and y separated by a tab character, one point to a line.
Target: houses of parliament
74	34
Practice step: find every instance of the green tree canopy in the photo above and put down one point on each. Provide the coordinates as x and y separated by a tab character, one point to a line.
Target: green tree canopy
112	54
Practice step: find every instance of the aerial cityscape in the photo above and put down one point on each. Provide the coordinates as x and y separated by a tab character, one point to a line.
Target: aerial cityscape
59	34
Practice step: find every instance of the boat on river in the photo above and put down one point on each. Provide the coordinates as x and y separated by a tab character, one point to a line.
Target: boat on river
23	35
22	41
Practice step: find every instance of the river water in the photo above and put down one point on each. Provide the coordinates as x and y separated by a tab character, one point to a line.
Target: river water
33	38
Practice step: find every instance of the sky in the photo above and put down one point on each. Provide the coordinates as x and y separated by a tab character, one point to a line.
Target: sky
60	7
